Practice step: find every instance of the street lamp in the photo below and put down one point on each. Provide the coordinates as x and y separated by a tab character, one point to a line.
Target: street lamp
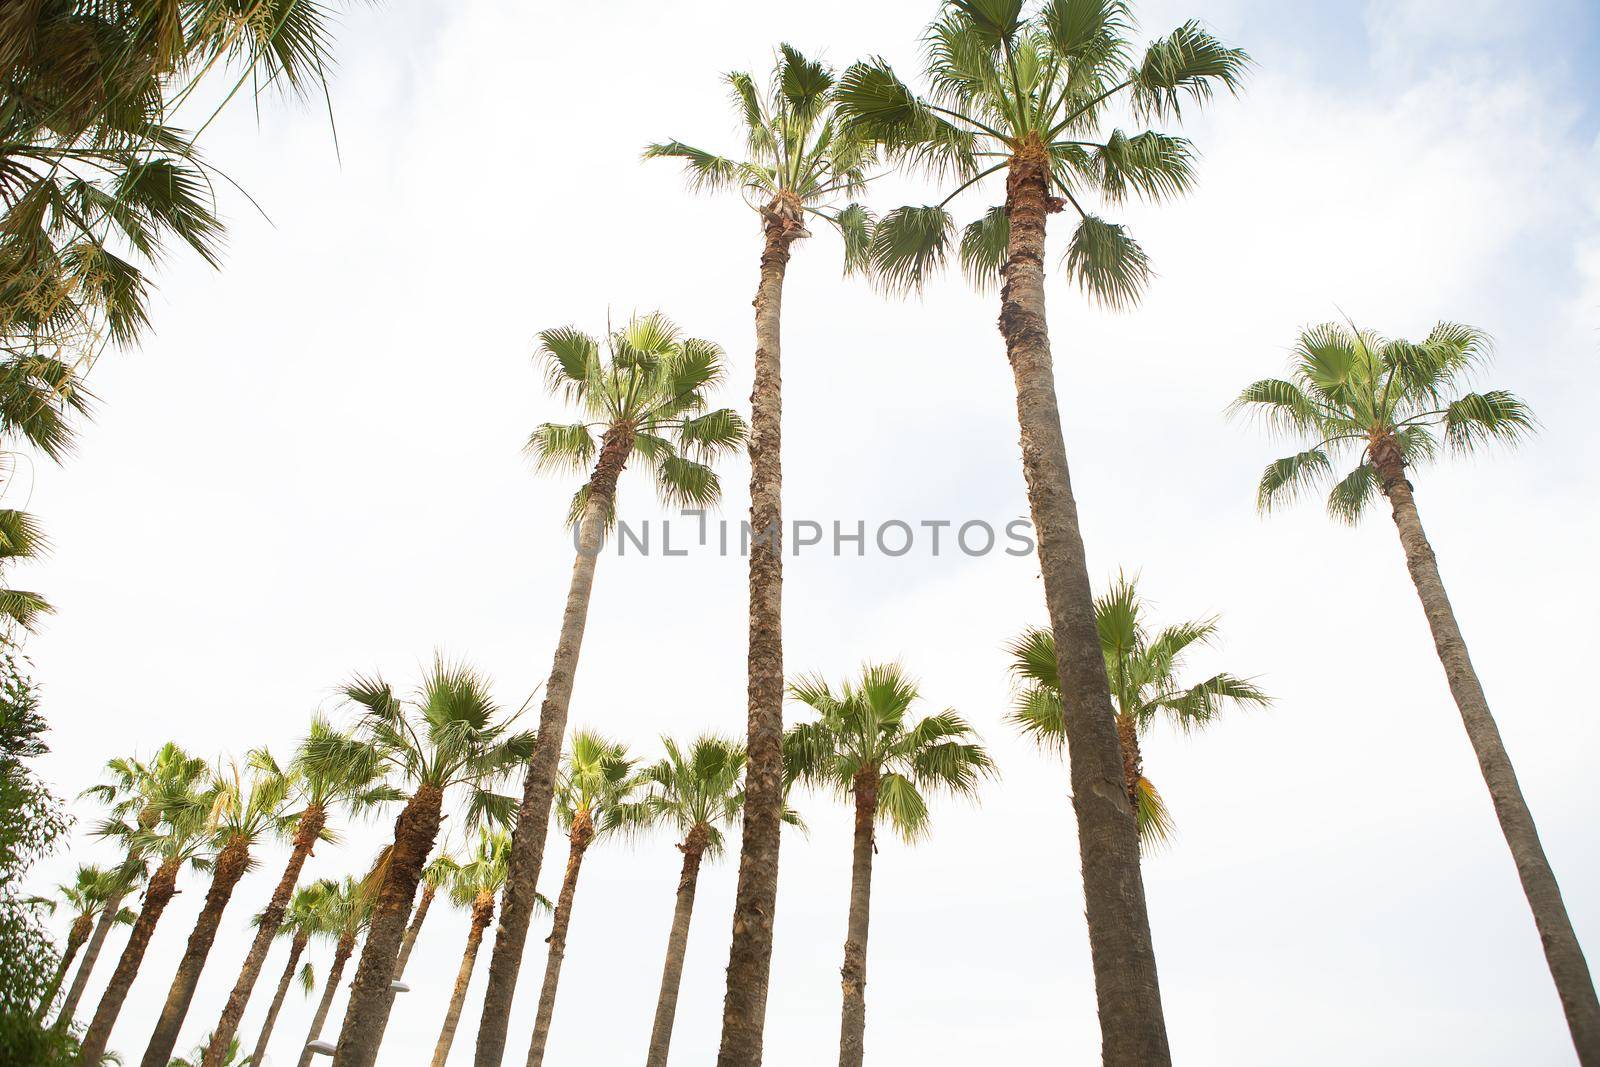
321	1048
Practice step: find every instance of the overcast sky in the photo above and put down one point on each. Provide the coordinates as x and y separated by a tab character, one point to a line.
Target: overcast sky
312	468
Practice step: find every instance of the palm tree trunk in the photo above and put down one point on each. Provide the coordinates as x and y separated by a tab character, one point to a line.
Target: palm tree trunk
1132	1030
582	833
157	895
693	849
91	955
1132	760
81	928
305	838
231	864
538	789
744	1006
482	914
368	1011
429	891
853	1019
1562	952
296	947
341	956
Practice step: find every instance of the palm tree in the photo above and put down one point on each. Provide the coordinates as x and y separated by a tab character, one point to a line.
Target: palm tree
304	919
345	915
182	834
87	894
1025	89
473	885
322	777
245	809
698	793
646	395
20	540
799	160
593	799
134	792
1391	405
1144	670
865	746
450	738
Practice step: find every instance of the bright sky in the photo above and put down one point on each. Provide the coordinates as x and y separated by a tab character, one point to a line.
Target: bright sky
313	468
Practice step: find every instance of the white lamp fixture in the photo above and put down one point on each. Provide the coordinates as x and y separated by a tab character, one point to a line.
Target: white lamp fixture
398	986
320	1048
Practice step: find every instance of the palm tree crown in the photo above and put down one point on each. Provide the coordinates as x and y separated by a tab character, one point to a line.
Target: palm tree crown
866	728
698	790
480	878
597	786
1144	669
800	158
645	393
450	733
1390	404
1014	84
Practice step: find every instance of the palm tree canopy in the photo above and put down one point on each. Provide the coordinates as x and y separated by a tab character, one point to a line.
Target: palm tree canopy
1013	79
650	382
450	734
92	888
249	803
867	727
20	539
485	872
159	810
702	786
1145	669
1351	392
598	780
800	159
330	769
134	789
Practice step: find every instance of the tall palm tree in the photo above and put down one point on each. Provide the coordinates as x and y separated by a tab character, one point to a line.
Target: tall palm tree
594	798
321	777
473	885
346	915
303	920
182	834
1025	89
87	894
865	745
643	391
133	791
1144	668
798	161
451	742
1391	406
246	808
697	792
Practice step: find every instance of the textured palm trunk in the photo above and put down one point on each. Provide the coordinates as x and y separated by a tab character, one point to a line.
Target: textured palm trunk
853	975
517	901
296	947
157	895
91	956
341	956
482	915
1132	760
1562	951
409	942
580	837
231	864
305	839
1132	1030
368	1011
693	849
82	926
744	1008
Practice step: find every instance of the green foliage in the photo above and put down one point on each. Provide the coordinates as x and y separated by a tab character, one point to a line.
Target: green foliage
485	872
450	735
799	160
20	539
866	728
1350	390
702	786
1009	80
650	382
1144	668
598	781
